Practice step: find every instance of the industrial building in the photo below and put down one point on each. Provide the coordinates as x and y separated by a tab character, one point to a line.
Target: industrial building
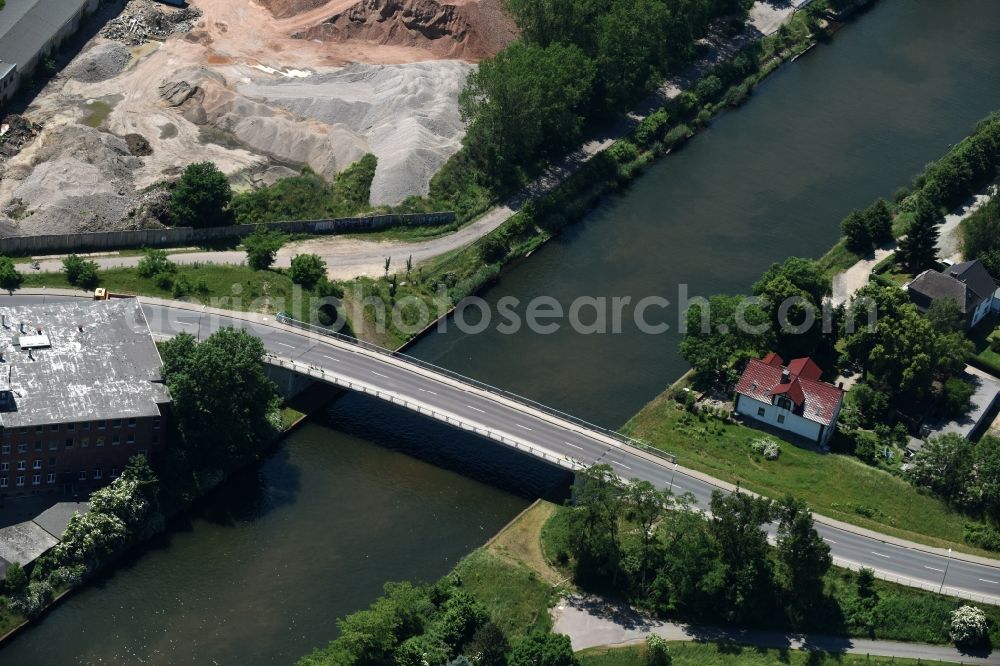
81	392
29	31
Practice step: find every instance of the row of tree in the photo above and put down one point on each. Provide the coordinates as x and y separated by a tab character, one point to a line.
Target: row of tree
434	625
645	544
577	63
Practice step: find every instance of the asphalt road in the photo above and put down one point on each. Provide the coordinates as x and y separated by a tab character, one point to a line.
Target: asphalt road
920	567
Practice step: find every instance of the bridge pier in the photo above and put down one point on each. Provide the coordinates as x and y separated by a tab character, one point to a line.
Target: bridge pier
289	382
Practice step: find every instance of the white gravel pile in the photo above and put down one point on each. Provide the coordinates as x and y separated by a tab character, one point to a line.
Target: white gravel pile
407	115
100	63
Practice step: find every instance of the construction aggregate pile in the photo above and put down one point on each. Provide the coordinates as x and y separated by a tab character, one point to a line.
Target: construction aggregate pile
100	63
143	20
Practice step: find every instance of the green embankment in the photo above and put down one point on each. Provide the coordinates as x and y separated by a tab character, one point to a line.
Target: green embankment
714	654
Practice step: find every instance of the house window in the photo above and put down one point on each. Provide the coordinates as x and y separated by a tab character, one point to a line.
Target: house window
144	453
38	446
22	447
19	481
53	445
99	442
20	465
101	425
3	481
85	425
38	428
24	430
114	472
4	467
156	424
70	427
55	427
781	418
131	438
116	440
51	478
784	403
82	475
36	479
69	442
131	423
97	472
118	423
760	411
36	464
84	443
6	449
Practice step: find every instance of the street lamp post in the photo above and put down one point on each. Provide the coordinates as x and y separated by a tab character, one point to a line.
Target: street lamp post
945	576
672	478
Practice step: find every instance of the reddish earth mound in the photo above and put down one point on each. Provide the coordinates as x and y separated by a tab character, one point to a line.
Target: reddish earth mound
471	31
281	9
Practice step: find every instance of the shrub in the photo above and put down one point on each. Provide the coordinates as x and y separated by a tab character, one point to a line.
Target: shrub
34	599
201	197
968	626
651	127
10	278
982	536
307	270
80	272
657	653
15	580
262	246
155	262
768	448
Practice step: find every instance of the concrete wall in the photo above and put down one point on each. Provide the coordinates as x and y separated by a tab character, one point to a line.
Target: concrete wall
114	240
793	422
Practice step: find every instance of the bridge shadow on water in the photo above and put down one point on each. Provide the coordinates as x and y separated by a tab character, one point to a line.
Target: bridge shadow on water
433	442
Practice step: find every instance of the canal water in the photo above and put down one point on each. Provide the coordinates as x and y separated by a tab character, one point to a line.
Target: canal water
259	575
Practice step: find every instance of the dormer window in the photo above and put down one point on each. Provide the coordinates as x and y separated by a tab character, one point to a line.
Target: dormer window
784	403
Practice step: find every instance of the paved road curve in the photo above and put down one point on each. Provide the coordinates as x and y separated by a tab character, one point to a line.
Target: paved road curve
559	441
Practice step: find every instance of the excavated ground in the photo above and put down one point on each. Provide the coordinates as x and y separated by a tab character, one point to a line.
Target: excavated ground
259	89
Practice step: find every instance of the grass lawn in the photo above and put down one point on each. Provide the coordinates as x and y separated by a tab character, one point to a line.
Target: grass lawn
834	485
8	618
838	259
714	654
981	336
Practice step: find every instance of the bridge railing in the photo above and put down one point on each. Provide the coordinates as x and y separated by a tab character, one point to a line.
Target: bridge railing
527	402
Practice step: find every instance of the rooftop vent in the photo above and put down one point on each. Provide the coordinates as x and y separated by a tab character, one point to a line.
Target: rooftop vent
30	342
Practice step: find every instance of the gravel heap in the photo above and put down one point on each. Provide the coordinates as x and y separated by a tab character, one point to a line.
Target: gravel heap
100	63
17	131
144	20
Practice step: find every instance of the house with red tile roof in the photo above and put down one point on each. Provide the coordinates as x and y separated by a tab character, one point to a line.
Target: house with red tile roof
791	397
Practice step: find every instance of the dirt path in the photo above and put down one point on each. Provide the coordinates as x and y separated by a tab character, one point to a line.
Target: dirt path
593	622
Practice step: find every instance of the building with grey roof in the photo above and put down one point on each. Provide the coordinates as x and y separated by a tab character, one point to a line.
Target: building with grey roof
81	391
29	31
968	284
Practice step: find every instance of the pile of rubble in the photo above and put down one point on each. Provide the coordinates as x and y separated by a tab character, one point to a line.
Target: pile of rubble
144	20
15	132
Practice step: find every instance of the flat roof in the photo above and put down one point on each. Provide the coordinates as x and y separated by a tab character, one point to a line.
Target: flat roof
101	363
28	25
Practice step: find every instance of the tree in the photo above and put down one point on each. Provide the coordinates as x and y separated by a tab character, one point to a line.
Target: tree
657	651
742	581
856	232
878	219
15	580
307	270
262	247
793	294
969	626
803	556
596	521
645	507
957	397
542	649
224	405
10	277
493	249
721	334
201	197
981	235
918	249
80	272
945	315
944	465
155	262
489	646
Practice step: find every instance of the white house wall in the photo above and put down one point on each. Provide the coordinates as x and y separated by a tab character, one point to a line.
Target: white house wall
793	422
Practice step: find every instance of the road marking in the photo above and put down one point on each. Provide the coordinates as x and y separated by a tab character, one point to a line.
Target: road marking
575	446
989	581
283	344
829	540
880	555
331	358
380	374
622	465
934	569
475	409
186	323
522	426
423	390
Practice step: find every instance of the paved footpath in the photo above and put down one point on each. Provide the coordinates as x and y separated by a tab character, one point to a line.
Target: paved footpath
591	623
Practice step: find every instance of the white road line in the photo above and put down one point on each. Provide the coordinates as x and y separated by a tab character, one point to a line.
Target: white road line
283	344
331	358
621	465
989	581
522	426
186	323
934	569
880	554
829	540
423	390
380	374
575	446
475	409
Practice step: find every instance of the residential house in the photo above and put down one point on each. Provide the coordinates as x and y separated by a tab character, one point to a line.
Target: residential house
791	397
968	284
